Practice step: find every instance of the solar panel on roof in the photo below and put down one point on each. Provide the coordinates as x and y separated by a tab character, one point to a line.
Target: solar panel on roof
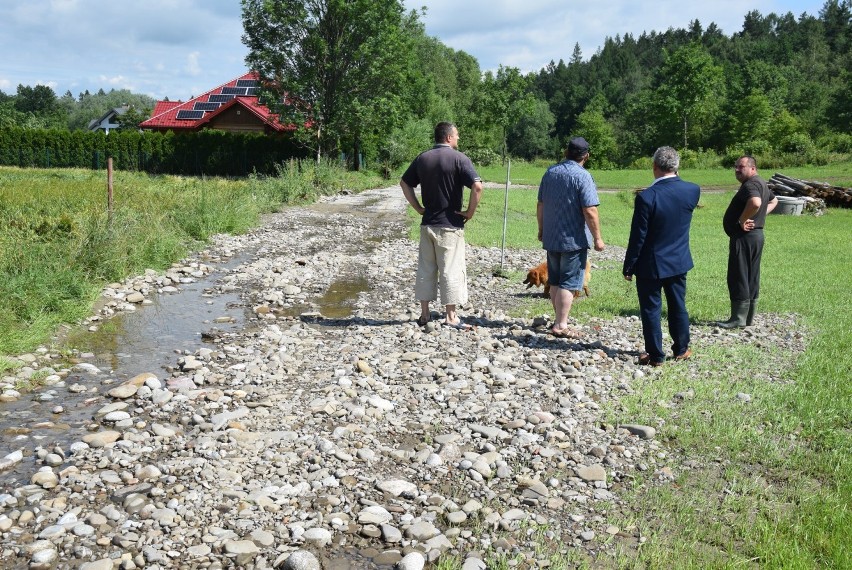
201	106
246	83
233	90
220	98
189	115
252	91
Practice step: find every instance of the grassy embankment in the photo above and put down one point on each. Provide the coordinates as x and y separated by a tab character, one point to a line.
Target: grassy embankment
58	247
776	484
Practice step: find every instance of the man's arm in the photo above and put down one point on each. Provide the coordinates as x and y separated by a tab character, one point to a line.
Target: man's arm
539	215
638	233
592	220
751	208
771	205
475	197
409	194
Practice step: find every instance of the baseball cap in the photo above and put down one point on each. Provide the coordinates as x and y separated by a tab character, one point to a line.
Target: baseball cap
578	145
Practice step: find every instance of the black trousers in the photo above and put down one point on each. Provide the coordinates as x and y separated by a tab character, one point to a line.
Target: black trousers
744	255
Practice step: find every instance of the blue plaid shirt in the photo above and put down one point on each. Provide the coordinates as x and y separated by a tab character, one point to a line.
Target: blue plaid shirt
566	188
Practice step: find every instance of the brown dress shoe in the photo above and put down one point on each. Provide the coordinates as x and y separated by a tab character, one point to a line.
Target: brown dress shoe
685	356
645	360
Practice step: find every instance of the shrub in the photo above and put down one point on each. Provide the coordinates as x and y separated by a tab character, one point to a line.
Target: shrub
836	142
799	143
482	156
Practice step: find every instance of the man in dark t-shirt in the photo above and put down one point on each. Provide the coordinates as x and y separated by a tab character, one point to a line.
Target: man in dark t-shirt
743	223
442	172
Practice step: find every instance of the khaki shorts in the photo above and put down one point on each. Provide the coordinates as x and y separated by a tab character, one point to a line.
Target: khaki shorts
441	263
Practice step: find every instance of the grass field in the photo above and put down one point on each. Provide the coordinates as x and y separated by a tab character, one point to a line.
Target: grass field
524	173
59	246
780	496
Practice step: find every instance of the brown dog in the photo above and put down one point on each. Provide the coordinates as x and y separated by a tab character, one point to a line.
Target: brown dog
537	276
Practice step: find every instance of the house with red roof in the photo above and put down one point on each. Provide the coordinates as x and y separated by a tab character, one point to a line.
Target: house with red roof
232	106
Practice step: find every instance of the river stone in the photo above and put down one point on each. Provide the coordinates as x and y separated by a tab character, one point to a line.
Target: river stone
102	564
374	514
135	297
45	478
82	529
318	537
199	550
644	432
422	531
391	534
242	551
51	532
398	488
101	438
11	460
301	560
412	561
148	472
118	416
262	538
123	391
594	472
162	431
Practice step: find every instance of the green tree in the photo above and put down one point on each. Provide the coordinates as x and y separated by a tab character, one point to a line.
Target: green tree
531	137
502	100
751	119
691	86
593	126
39	100
341	65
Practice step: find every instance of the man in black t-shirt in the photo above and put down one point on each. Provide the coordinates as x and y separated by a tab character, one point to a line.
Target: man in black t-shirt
442	172
743	222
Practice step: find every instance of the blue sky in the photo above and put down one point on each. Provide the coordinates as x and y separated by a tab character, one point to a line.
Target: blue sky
181	48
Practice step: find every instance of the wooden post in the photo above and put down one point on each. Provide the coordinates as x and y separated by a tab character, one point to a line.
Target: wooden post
109	188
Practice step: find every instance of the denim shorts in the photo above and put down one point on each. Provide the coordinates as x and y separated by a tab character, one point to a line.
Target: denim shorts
565	269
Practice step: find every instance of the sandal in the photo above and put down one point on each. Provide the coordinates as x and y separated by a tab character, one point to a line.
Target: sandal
423	322
459	325
567	332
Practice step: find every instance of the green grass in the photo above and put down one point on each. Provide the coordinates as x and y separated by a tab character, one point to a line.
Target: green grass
776	489
525	173
59	246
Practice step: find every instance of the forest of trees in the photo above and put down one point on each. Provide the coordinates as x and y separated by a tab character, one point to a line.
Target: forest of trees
367	80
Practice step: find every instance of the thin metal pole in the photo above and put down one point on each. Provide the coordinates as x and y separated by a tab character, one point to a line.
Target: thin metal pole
505	213
109	189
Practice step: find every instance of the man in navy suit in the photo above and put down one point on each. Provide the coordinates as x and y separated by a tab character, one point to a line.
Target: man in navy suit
658	255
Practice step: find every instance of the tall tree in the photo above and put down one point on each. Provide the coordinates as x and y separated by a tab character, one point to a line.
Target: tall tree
593	126
39	100
341	64
691	85
504	98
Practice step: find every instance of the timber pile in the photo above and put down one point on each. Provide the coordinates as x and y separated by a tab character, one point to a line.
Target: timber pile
836	196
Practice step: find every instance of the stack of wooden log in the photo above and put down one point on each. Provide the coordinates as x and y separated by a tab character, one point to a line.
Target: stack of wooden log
836	196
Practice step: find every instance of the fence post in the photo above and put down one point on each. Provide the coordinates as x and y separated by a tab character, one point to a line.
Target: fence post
505	214
109	189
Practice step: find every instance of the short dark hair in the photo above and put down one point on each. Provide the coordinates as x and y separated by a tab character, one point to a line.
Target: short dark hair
667	159
749	159
443	130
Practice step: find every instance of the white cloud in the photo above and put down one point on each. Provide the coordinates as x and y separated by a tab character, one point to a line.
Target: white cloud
192	67
80	44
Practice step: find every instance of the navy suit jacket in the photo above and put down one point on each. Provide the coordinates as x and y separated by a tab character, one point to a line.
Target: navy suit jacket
659	234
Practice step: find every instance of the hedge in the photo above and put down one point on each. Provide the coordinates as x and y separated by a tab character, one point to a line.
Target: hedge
207	152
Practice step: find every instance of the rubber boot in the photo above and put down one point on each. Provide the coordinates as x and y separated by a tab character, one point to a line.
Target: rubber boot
739	314
752	309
